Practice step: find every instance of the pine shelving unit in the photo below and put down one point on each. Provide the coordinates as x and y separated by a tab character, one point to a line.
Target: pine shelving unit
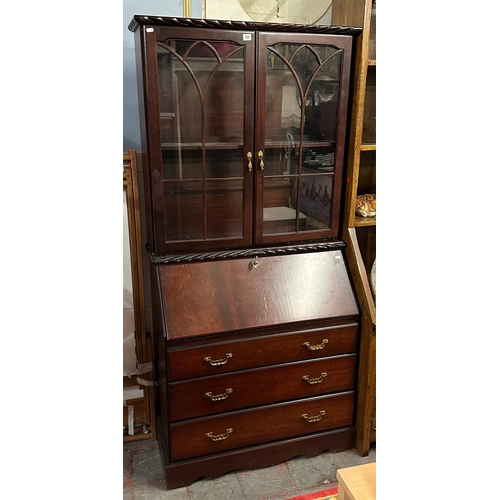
360	232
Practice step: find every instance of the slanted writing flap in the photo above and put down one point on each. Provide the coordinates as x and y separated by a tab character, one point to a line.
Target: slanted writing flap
202	298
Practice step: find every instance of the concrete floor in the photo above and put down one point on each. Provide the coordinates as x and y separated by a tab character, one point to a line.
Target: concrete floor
143	477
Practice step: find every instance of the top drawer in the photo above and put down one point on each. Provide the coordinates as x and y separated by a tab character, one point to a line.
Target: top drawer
206	298
238	355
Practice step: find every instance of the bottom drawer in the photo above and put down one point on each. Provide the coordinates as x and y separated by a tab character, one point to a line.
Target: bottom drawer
269	423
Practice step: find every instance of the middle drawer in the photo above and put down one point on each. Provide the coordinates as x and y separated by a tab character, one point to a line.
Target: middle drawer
247	388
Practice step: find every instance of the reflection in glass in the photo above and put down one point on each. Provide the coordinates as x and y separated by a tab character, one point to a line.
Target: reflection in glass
315	199
302	88
291	112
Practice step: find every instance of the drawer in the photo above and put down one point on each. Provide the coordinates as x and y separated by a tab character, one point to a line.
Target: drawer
246	388
259	425
262	351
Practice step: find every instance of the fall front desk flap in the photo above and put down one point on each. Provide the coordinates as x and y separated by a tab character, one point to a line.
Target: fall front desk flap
203	298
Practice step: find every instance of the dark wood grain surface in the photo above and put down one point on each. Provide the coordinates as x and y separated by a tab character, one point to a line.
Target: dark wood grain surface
268	423
266	348
210	297
246	388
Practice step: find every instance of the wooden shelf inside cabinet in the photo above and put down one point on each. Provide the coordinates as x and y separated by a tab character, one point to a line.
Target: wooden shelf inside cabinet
237	145
306	143
198	145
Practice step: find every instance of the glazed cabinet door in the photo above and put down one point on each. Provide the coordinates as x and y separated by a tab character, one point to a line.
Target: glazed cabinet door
302	93
199	103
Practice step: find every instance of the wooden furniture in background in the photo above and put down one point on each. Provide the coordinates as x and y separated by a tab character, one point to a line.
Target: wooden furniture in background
357	483
360	232
140	409
255	321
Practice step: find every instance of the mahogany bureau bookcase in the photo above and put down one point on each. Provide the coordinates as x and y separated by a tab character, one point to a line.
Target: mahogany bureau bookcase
255	321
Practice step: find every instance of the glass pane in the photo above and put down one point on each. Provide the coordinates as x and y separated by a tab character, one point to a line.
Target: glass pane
182	163
315	201
322	101
224	101
222	163
185	163
224	209
302	89
202	111
279	214
183	203
201	80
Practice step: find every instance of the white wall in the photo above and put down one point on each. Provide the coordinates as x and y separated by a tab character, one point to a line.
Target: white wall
232	10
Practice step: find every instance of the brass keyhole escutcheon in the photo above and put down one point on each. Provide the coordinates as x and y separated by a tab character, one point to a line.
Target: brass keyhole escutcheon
254	263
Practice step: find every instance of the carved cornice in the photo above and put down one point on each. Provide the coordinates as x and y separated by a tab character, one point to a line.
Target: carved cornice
241	25
248	252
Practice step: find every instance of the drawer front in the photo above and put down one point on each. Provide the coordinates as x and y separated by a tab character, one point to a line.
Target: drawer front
246	388
269	423
243	354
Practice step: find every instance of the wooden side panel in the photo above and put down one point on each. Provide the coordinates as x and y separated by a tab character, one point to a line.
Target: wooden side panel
203	298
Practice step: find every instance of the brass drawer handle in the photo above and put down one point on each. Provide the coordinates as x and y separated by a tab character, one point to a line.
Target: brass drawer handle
217	362
260	154
219	437
249	158
219	397
314	380
316	347
316	418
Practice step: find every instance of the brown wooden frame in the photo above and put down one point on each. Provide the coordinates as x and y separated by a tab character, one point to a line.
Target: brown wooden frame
144	414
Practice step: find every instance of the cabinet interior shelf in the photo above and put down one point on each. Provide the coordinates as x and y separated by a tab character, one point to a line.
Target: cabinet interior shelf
239	144
368	146
197	145
372	62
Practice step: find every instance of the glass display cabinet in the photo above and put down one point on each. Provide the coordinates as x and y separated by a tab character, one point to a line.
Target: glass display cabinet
246	135
255	321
